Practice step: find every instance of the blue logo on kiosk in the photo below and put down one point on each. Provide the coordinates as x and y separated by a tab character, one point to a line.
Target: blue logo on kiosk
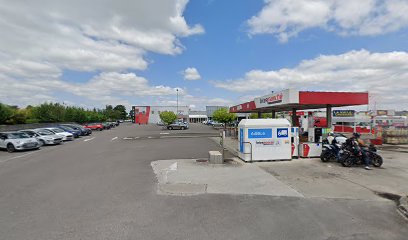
282	132
260	133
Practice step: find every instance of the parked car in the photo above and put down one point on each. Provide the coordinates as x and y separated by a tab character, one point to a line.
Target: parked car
66	136
112	124
84	131
106	125
74	132
94	126
43	137
178	125
13	141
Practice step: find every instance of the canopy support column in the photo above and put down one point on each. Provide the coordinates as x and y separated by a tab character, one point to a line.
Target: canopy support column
259	115
329	115
273	114
294	117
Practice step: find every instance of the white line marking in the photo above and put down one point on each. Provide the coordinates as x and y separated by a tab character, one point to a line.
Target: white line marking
137	137
164	133
20	156
127	138
149	137
114	138
89	139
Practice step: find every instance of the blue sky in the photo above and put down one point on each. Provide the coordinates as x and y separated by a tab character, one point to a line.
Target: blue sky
136	52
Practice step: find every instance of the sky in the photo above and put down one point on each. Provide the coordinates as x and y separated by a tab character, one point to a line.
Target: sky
140	52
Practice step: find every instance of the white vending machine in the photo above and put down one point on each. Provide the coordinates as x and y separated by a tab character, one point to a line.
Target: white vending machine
264	139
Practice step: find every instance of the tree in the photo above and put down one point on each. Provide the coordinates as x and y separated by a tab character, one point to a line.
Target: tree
222	115
121	110
5	113
168	117
264	115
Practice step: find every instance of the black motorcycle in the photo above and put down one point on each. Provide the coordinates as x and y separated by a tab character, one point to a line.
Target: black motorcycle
328	151
351	154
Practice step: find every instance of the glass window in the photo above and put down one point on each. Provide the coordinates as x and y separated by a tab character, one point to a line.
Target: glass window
152	112
17	135
57	130
44	133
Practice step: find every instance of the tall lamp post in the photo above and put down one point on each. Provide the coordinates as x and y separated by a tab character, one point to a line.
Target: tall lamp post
177	104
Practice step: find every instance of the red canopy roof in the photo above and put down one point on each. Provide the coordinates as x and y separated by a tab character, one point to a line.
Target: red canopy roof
289	99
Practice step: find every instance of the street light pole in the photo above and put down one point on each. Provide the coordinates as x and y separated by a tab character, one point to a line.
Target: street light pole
177	103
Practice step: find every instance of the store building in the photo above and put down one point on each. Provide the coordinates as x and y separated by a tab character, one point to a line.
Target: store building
151	114
198	116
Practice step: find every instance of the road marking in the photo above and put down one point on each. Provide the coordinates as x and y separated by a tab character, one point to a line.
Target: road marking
127	138
20	156
164	133
149	137
114	138
89	139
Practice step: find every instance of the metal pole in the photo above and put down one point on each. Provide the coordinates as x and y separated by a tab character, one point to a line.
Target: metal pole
177	112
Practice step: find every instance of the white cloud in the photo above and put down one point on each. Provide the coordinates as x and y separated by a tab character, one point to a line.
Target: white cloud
384	75
286	18
43	38
191	74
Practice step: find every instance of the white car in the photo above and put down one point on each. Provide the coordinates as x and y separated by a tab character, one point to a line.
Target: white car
66	136
13	141
44	137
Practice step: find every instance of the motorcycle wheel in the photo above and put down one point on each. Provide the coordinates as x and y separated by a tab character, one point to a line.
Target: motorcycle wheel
327	156
377	160
347	161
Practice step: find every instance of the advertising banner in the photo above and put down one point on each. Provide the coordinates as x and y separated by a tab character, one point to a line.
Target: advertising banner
343	113
278	98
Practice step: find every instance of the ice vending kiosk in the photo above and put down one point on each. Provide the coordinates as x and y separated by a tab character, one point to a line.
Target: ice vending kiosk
264	139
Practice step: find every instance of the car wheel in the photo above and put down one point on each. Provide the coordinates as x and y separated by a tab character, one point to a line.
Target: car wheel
100	129
182	128
170	128
42	142
10	148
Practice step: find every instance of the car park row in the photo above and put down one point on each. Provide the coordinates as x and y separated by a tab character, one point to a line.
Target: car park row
27	139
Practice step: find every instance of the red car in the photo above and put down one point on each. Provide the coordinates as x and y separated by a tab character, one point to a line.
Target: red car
94	126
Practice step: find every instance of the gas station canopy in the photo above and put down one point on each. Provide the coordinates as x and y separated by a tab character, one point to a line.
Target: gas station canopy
290	100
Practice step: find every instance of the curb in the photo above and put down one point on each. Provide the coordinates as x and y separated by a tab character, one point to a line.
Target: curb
402	206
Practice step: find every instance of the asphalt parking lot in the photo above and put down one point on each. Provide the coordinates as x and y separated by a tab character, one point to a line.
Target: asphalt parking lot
103	187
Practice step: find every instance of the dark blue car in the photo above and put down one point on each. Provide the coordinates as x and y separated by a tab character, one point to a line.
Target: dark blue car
74	132
84	131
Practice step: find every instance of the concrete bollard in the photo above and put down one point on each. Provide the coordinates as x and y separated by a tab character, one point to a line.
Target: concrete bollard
215	157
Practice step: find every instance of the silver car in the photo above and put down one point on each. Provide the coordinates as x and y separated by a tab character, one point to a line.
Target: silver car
44	137
178	125
66	136
13	141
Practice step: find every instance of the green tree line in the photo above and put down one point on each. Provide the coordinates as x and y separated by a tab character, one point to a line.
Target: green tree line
56	112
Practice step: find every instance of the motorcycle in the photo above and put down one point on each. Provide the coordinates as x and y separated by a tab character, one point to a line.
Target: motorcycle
328	151
351	154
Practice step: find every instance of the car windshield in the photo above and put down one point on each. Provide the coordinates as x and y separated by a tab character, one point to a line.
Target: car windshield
45	132
18	135
57	130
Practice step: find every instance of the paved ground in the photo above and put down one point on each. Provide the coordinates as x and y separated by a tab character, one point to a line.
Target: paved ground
105	188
